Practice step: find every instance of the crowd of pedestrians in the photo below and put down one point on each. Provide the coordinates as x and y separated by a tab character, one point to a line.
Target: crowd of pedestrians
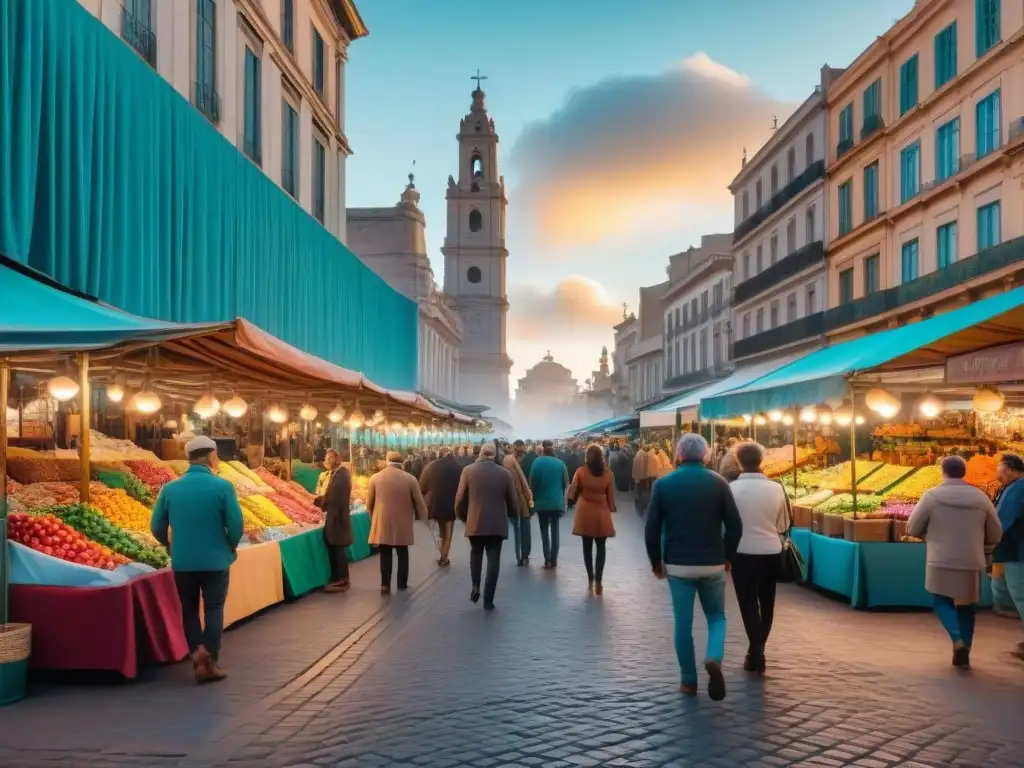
706	516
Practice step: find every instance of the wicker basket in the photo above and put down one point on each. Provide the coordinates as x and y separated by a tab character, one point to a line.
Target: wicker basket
803	517
866	530
832	526
15	648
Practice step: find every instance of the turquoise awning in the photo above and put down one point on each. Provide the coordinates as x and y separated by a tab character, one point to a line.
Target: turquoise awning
823	375
36	314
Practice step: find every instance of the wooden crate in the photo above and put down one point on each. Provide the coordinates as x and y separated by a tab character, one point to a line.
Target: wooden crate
899	529
817	520
866	530
832	526
803	517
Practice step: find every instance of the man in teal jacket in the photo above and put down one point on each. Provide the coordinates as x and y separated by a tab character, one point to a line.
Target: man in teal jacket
205	521
549	481
1010	551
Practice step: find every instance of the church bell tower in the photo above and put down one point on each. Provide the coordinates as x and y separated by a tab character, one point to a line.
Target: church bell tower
475	257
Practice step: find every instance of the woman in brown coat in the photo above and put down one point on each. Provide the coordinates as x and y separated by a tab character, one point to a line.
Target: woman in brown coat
592	488
394	501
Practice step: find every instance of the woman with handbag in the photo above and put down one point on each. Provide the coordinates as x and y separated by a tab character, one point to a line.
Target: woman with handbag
593	490
758	567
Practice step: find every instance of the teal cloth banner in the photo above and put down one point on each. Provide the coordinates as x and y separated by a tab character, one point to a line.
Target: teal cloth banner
304	560
114	185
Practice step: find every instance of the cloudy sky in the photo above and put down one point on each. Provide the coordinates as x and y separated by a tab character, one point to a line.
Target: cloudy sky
620	126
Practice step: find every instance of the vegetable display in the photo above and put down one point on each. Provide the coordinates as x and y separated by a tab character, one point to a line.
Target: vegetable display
263	509
838	477
98	528
894	510
842	504
296	510
54	537
127	481
916	484
883	478
45	469
122	510
154	475
245	472
981	471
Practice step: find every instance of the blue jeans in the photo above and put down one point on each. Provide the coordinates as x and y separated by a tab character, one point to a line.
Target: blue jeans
1014	577
711	590
212	586
521	536
957	620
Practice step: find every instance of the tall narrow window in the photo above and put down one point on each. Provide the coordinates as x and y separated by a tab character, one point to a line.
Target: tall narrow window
945	56
319	56
760	258
845	130
773	248
773	314
811	227
811	299
910	172
872	274
908	85
989	226
909	261
809	148
945	245
791	308
846	286
746	205
760	320
758	194
289	149
774	181
746	266
137	28
871	192
288	24
988	117
872	109
845	208
791	236
205	97
476	220
339	91
746	325
319	180
791	165
986	25
947	149
252	143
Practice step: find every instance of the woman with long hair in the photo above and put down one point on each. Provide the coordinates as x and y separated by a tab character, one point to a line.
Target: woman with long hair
593	489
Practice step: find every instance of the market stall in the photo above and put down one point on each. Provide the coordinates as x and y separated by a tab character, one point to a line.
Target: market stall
947	375
80	508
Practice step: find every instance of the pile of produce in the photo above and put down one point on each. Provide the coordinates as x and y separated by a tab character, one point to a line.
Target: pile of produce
44	469
837	478
244	471
153	474
125	480
893	510
103	448
898	430
263	509
296	510
177	466
842	505
360	486
779	460
884	478
981	471
243	484
34	496
53	537
121	509
814	498
915	485
98	528
13	486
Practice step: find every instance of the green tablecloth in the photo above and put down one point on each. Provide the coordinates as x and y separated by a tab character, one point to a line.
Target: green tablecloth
872	574
306	475
304	562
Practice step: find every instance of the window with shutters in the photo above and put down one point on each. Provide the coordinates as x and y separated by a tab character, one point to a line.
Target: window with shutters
908	85
945	56
986	25
909	261
988	117
947	150
910	172
845	203
989	226
945	245
872	274
871	192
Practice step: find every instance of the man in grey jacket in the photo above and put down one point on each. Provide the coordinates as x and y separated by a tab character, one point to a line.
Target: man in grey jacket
484	502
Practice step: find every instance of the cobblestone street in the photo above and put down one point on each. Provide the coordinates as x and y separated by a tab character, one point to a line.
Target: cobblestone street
554	677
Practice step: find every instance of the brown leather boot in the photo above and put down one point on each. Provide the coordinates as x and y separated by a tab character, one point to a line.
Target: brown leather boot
202	665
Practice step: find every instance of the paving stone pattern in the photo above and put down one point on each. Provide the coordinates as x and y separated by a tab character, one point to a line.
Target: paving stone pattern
554	677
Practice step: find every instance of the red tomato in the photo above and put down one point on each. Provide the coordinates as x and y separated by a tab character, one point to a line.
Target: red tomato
35	541
48	550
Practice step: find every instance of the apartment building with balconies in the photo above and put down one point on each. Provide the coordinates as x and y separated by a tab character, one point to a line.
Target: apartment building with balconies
644	358
696	314
925	165
778	297
269	74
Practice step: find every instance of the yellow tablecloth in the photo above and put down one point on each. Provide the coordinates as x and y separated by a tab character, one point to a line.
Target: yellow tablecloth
256	581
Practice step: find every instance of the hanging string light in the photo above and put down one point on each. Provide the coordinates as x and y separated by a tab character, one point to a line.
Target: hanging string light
115	390
236	407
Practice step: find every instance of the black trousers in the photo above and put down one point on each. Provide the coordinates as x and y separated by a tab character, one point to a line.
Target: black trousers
212	586
385	565
594	570
755	577
492	545
338	560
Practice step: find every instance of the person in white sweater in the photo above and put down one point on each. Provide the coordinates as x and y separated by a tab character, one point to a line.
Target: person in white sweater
765	511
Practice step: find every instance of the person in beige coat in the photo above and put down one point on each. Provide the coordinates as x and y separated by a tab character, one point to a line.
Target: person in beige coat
520	522
394	501
961	528
659	463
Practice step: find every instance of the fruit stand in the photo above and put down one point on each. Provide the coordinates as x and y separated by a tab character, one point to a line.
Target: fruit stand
943	372
74	523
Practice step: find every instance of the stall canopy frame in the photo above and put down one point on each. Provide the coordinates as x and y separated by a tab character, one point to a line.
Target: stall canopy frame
824	375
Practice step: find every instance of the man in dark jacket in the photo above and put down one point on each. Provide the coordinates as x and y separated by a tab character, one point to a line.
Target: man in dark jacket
622	469
527	459
484	502
439	483
336	504
687	514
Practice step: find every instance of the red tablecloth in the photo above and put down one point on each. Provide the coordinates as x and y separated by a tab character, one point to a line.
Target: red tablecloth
100	628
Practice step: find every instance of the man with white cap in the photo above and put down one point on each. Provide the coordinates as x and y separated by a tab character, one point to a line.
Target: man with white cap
198	518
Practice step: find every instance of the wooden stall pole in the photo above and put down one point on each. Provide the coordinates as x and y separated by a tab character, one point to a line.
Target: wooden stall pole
853	450
287	452
85	438
5	379
795	428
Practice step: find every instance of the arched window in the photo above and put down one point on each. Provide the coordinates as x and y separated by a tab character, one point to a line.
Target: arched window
478	126
476	167
476	221
810	148
473	275
474	187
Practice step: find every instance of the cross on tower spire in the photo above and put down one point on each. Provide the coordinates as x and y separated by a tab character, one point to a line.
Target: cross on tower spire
478	77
